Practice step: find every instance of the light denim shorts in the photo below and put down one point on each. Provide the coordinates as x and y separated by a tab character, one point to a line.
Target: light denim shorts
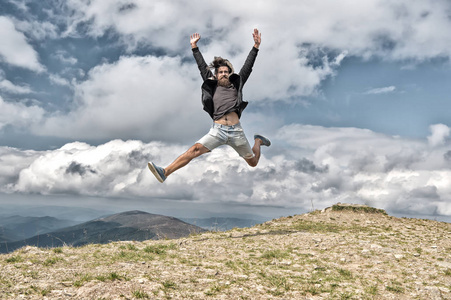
227	135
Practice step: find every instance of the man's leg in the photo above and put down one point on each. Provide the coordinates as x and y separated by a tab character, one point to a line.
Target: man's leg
258	141
253	162
181	161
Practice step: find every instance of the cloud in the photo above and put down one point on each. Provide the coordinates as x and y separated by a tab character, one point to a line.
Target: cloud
400	29
19	114
14	48
384	90
136	97
58	80
439	132
302	44
397	30
112	169
321	167
65	58
8	86
13	161
37	30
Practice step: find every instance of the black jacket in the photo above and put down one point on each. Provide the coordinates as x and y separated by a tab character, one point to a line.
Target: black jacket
210	82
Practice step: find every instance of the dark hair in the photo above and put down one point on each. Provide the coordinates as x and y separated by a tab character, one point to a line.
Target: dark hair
221	62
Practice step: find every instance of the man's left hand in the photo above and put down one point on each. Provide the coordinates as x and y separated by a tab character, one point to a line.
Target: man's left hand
257	38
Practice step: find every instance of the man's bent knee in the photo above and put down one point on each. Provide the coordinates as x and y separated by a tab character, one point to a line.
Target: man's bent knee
252	161
197	149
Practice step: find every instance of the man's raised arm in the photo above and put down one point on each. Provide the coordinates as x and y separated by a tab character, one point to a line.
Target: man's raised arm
201	64
257	38
194	39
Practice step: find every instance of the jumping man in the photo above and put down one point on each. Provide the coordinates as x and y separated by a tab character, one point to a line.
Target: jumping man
222	99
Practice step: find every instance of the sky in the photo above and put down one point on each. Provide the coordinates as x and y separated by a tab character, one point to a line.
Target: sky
354	95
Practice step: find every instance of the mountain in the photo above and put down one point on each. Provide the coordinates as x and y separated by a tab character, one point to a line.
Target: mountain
126	226
77	214
6	235
341	252
221	223
15	228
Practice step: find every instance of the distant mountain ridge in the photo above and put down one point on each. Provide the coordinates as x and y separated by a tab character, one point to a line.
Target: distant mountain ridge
16	228
132	225
74	213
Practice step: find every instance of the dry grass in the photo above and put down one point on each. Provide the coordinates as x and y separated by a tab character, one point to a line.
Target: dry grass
344	254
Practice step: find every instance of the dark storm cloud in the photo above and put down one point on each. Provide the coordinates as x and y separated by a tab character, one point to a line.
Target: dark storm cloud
77	168
307	166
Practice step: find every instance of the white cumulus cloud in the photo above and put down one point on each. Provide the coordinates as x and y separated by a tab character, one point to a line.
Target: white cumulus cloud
135	97
439	132
19	114
321	167
14	48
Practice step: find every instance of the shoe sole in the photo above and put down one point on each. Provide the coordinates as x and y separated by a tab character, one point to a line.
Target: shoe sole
155	172
265	141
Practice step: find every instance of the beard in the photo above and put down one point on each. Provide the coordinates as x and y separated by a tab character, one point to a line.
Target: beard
224	82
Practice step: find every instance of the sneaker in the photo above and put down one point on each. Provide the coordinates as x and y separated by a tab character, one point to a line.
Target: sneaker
157	171
265	142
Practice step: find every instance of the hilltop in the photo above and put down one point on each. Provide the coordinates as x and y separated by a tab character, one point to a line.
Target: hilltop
342	252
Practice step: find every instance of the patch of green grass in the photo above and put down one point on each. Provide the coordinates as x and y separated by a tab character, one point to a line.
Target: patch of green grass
277	284
111	276
345	296
46	291
101	278
4	281
310	226
345	274
31	273
159	249
278	254
214	289
130	256
51	261
114	276
131	247
169	284
364	209
57	250
83	278
139	294
395	287
14	259
372	290
231	264
313	289
237	265
447	272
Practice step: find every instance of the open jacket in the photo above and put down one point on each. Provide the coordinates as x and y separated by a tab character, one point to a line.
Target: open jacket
210	82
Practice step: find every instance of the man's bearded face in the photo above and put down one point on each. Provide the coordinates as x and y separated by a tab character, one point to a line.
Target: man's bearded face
223	76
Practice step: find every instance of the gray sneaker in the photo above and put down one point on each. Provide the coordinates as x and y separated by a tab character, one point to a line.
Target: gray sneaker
265	142
157	171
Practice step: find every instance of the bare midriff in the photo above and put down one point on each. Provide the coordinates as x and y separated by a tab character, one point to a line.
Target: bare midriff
229	119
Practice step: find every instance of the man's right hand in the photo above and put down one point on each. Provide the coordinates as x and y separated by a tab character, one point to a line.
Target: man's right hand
194	38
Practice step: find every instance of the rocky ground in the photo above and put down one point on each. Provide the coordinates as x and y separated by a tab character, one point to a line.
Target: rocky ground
343	252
